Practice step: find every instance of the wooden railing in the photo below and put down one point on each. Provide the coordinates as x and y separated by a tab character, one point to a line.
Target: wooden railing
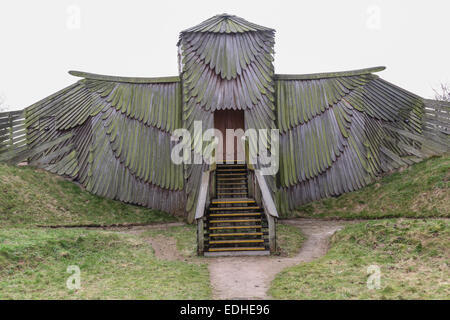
435	136
436	122
259	190
13	135
14	147
206	193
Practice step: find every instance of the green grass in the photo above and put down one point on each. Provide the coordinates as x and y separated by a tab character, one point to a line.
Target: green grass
289	240
34	197
34	261
413	257
422	190
33	265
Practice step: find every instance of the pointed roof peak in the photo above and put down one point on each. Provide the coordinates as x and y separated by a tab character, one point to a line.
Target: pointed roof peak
227	23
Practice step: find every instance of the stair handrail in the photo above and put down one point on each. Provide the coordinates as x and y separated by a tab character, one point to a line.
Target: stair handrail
266	196
259	187
207	187
202	203
267	199
203	195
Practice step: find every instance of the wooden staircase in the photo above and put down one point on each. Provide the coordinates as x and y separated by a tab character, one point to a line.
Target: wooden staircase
235	224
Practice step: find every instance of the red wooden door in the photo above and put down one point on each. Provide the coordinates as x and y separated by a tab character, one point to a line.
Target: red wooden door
229	119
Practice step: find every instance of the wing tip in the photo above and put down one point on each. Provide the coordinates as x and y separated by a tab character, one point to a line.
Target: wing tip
94	76
313	76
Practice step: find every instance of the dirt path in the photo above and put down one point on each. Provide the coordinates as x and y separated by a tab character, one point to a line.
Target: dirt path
140	229
250	277
165	247
247	277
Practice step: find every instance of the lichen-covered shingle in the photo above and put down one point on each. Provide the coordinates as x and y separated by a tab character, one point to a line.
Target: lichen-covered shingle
227	65
333	134
121	141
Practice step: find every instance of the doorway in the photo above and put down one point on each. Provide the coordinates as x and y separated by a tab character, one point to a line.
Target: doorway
230	147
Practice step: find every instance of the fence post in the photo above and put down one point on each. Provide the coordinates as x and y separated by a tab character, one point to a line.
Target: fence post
10	120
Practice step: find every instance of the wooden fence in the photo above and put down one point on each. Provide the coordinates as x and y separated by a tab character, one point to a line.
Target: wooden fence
436	124
13	137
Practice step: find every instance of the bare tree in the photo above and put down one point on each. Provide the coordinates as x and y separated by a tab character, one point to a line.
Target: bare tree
443	93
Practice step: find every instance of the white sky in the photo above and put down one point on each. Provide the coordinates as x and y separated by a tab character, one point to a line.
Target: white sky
41	40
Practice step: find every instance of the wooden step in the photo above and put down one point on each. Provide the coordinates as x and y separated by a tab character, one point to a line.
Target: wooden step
235	214
237	249
232	188
229	163
236	241
242	234
233	208
229	184
231	200
231	174
236	227
232	194
235	221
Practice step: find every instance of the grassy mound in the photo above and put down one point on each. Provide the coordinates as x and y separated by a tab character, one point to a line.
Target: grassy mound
35	197
422	190
113	265
34	262
412	257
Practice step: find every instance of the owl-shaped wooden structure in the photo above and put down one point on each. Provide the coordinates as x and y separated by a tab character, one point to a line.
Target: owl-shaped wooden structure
337	131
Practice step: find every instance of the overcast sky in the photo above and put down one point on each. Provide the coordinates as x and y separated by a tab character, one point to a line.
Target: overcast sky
42	40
